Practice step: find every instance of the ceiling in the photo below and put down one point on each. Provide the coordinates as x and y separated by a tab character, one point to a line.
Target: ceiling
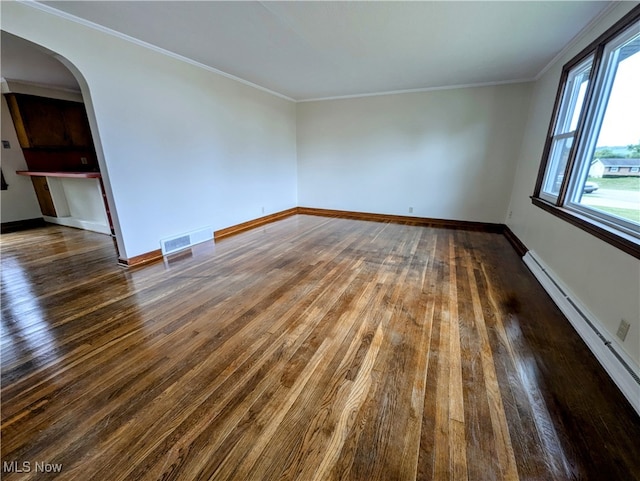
311	50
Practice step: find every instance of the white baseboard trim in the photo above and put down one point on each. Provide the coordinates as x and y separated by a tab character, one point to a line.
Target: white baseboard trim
79	224
624	371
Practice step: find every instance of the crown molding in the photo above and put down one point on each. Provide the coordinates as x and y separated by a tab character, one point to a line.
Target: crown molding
94	26
42	90
425	89
579	36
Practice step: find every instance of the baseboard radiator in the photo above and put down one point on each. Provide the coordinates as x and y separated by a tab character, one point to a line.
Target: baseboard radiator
177	243
621	368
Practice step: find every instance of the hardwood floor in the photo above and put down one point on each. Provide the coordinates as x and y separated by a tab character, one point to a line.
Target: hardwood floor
312	349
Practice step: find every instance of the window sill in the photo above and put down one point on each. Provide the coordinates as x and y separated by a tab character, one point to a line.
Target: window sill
618	239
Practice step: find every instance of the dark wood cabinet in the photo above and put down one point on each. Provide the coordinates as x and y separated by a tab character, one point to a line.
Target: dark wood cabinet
56	142
49	123
38	121
54	134
63	160
77	125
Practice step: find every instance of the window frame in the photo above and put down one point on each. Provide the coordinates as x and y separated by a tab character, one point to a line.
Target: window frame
560	133
559	205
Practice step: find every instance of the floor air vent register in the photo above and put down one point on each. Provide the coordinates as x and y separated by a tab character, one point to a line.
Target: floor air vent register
183	241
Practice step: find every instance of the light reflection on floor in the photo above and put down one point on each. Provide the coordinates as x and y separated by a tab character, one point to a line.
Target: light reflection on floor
24	324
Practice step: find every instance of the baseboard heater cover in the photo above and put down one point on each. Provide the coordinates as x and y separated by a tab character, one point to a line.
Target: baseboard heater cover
621	368
177	243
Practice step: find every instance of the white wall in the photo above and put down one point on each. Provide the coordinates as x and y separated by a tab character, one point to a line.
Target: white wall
78	203
448	154
180	147
604	278
19	202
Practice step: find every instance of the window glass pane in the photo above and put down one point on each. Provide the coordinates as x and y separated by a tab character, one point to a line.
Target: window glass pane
557	162
611	184
582	89
573	97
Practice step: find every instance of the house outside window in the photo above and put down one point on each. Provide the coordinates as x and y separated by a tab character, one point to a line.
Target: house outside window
589	174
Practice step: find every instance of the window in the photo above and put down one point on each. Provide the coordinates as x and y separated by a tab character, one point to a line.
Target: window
596	123
635	170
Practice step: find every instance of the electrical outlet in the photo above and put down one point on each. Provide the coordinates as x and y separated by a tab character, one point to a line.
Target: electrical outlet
623	330
84	161
410	210
6	144
510	214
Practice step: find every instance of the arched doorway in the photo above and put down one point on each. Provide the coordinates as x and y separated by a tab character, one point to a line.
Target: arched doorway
35	74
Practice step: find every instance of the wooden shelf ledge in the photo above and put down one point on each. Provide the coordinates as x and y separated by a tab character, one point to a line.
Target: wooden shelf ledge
72	175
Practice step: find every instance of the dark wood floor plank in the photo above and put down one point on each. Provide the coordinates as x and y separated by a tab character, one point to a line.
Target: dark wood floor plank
481	453
308	349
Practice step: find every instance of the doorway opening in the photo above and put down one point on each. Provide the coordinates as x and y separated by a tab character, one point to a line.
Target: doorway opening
52	158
